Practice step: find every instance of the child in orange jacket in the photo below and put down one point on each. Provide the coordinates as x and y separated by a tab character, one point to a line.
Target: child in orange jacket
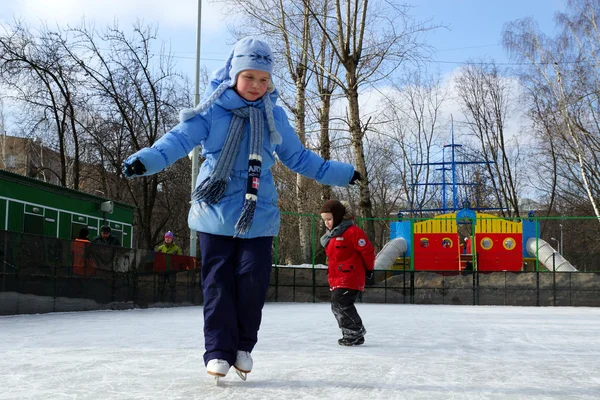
350	258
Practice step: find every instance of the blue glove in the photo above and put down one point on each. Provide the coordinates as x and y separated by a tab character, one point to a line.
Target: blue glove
134	168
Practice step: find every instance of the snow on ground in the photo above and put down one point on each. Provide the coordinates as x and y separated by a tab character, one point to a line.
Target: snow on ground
411	352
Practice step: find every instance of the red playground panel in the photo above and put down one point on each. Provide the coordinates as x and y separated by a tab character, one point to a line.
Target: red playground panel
436	252
499	251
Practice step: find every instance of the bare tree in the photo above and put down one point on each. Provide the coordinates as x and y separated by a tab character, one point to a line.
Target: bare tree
364	41
561	77
297	65
370	44
485	96
325	85
34	68
105	95
410	129
136	96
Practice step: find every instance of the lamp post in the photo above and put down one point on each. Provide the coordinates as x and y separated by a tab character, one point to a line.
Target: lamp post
195	152
558	245
561	239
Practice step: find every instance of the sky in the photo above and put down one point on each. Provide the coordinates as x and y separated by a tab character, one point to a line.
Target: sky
416	352
474	26
472	31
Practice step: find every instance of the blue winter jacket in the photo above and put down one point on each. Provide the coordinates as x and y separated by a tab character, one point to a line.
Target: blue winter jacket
209	129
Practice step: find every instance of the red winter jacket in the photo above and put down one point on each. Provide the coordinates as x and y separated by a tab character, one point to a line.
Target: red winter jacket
349	255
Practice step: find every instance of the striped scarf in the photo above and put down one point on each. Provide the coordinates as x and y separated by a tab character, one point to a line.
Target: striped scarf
213	187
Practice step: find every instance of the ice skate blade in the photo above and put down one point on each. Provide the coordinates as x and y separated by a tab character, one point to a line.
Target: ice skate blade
215	374
243	375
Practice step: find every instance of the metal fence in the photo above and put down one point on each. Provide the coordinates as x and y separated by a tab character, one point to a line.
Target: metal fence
465	288
43	274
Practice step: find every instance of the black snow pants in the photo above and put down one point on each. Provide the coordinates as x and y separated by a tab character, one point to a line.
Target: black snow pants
342	305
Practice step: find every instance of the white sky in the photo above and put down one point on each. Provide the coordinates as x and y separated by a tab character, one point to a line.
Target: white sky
176	19
472	27
66	11
467	36
473	31
411	352
173	15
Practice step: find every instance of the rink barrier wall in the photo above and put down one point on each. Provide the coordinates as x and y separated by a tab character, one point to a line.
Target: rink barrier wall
41	274
531	288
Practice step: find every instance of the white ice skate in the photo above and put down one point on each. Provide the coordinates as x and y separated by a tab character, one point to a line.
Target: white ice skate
243	364
217	368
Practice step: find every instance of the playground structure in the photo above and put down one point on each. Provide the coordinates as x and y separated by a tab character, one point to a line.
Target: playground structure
465	238
492	244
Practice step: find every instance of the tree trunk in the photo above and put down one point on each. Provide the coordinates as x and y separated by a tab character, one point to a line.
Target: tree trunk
324	136
356	135
304	223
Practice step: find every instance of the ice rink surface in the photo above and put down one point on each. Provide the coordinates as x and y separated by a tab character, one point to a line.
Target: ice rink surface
411	352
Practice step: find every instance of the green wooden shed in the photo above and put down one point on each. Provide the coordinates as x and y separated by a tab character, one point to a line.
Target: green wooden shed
31	206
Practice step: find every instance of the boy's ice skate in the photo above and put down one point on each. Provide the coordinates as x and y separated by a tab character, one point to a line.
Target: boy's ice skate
345	341
217	368
243	364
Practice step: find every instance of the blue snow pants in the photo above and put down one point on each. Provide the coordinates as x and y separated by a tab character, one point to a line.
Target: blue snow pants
235	278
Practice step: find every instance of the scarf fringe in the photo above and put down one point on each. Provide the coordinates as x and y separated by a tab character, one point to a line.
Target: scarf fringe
244	223
210	190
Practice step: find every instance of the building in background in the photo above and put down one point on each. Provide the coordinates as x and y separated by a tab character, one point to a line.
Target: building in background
29	157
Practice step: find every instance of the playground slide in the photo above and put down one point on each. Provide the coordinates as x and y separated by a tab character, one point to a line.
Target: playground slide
545	254
390	252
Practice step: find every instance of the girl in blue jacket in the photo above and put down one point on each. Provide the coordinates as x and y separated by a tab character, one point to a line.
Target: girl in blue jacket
234	205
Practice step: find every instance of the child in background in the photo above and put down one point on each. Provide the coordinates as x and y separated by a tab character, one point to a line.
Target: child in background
350	259
169	247
234	206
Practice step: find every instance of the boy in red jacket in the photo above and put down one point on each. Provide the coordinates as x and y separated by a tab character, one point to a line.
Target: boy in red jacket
351	258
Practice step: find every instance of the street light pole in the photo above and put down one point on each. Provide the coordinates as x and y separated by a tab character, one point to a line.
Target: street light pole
558	245
195	153
561	239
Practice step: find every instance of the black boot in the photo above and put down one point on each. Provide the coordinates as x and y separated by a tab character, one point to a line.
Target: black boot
351	342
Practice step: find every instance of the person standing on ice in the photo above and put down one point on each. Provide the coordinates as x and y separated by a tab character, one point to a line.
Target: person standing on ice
234	205
350	259
169	247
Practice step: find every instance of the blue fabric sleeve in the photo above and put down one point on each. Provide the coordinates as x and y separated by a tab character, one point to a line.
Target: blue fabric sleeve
175	144
303	161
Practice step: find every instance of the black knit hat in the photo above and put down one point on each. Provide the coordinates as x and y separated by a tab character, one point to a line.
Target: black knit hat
83	233
336	208
105	228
